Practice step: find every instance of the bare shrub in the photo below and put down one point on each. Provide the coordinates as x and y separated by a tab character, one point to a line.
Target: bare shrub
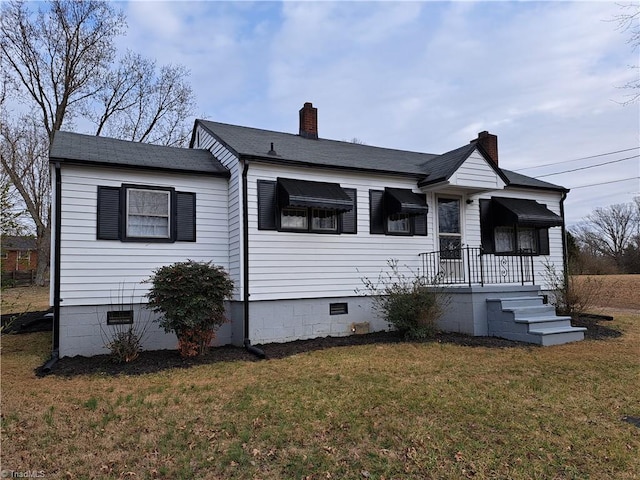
407	301
124	340
569	296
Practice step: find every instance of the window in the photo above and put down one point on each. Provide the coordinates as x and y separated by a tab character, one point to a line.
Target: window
526	240
399	223
449	234
505	239
24	255
516	240
137	213
291	205
324	220
294	218
148	213
397	211
511	226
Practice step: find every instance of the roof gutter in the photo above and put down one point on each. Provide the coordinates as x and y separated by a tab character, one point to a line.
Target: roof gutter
245	264
91	163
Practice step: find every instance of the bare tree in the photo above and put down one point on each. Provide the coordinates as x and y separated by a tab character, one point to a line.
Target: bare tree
58	56
60	62
139	103
24	158
608	231
629	22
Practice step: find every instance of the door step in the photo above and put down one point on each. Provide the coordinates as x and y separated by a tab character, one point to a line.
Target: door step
529	319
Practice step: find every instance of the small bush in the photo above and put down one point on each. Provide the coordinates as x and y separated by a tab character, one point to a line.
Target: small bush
190	297
408	303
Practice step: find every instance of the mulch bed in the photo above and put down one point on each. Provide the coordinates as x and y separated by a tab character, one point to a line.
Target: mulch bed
159	360
27	322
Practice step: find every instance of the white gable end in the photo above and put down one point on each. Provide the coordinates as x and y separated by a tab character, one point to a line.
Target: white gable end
476	174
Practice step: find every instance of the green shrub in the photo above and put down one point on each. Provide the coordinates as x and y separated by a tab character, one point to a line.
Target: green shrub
408	303
190	297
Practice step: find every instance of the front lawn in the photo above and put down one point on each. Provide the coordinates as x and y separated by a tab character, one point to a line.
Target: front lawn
395	410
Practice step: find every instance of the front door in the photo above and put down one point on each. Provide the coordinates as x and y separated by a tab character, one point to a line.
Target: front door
450	239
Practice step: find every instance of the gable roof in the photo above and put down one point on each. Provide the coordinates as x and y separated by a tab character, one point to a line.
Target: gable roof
76	148
18	243
290	148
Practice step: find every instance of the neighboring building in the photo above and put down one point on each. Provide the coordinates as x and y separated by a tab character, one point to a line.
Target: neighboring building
298	221
19	254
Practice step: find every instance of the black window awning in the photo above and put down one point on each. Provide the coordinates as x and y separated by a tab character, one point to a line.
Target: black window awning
518	211
305	193
403	200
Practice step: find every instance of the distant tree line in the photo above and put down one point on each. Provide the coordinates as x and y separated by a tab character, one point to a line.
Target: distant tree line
607	241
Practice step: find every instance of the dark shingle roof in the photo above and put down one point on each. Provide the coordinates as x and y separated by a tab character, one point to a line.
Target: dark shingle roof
18	243
445	165
89	149
431	168
254	142
519	180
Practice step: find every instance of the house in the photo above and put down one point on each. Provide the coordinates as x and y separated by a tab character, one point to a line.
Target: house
298	221
19	258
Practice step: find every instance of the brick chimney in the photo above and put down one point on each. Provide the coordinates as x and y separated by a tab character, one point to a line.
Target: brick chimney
489	144
309	121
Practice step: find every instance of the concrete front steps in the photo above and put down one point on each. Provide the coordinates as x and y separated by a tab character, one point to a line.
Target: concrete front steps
528	319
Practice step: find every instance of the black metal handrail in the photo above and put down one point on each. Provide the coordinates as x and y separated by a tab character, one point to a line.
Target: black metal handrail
472	266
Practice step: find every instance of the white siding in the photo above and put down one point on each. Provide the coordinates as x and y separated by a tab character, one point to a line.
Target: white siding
285	265
97	272
475	172
228	159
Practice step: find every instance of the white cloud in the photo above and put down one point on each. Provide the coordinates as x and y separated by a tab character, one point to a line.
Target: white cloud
428	76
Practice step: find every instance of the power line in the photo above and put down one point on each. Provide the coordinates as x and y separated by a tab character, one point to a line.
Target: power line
576	159
606	183
589	166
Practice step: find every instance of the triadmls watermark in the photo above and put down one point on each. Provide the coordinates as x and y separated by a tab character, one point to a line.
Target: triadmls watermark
22	474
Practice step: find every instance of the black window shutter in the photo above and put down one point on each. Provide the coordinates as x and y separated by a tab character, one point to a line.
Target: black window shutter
185	217
267	205
376	211
543	241
486	226
350	218
108	213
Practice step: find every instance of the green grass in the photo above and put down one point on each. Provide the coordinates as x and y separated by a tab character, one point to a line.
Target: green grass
377	411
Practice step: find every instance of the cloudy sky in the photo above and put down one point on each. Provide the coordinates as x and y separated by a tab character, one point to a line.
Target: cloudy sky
545	77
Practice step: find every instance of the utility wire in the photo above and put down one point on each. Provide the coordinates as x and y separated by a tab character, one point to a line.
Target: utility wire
589	166
576	159
606	183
